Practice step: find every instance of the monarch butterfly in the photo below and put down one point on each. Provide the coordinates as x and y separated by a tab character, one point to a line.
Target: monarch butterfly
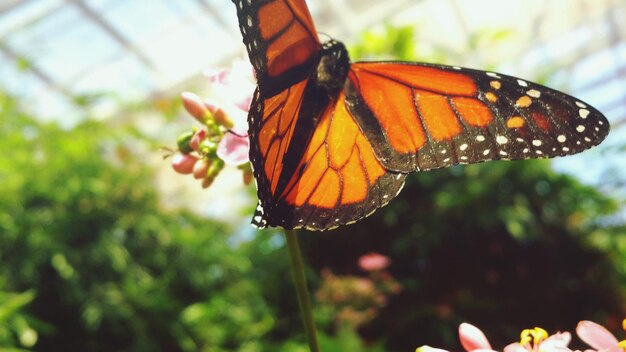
332	141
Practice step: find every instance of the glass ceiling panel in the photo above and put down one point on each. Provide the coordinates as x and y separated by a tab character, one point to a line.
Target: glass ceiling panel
135	48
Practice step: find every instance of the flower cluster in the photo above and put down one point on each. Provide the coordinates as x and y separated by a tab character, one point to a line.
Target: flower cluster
352	301
538	340
223	139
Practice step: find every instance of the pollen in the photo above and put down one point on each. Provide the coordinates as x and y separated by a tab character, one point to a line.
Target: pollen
534	336
491	97
524	101
515	122
495	85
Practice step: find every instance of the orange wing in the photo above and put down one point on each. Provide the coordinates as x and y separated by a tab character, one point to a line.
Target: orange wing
335	178
281	41
422	117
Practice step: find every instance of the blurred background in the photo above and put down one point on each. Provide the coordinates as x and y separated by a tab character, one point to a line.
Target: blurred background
104	248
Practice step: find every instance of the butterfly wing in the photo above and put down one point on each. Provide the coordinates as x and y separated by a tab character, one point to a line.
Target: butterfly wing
281	41
321	181
422	117
323	160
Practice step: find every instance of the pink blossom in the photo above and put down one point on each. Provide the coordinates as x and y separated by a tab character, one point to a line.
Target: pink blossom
537	339
224	140
373	262
235	84
472	338
599	338
234	149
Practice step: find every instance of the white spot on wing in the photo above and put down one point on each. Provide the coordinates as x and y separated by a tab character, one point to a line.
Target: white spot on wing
580	128
463	146
536	142
580	105
561	138
522	83
583	113
480	138
502	140
534	93
486	152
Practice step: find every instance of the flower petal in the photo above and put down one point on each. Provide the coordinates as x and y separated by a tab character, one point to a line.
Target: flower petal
427	348
561	339
472	338
596	335
515	347
234	149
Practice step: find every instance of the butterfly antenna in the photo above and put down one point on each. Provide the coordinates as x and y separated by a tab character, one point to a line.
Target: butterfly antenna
328	37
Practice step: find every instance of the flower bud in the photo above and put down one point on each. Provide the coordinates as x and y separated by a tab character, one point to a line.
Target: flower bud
247	176
209	148
183	142
216	166
222	118
197	139
194	106
183	163
210	105
207	181
201	168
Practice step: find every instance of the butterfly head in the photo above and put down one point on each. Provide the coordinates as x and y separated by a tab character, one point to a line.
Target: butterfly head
333	67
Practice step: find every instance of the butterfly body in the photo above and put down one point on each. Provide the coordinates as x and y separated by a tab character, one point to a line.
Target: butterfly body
332	141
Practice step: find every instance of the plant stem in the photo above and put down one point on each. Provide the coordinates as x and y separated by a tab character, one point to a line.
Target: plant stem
299	280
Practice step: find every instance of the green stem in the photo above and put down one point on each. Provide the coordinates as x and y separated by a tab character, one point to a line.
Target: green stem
299	280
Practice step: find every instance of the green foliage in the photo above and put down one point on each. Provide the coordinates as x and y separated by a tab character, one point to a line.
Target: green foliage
100	262
389	43
15	326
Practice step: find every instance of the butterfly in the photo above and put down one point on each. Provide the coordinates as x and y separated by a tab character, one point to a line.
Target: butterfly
332	141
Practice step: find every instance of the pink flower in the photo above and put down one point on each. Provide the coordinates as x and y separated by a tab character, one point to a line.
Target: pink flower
537	339
472	338
373	262
235	84
532	340
224	140
234	149
599	338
